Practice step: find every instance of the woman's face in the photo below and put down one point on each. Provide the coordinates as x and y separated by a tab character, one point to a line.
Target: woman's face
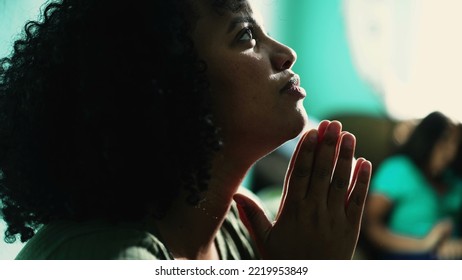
257	99
445	150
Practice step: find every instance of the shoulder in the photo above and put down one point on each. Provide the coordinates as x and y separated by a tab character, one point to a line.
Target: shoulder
397	162
396	176
245	191
233	239
91	240
400	166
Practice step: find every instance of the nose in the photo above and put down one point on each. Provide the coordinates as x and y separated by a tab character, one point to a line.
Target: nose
283	57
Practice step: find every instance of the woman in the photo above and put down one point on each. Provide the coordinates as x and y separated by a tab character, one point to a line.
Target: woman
415	201
126	132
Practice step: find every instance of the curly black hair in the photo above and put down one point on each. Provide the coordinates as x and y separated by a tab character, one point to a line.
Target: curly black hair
104	112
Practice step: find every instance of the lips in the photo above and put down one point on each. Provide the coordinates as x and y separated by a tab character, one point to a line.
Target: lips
293	87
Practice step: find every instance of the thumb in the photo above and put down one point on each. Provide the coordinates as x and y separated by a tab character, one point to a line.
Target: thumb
253	217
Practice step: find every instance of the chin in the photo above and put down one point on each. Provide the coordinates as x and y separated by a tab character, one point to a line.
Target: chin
301	124
295	129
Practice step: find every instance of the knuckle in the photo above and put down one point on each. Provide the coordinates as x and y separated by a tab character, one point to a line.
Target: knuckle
357	200
346	153
301	172
341	183
330	140
321	172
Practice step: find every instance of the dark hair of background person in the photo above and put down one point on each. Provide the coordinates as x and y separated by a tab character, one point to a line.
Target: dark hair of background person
103	113
419	146
456	164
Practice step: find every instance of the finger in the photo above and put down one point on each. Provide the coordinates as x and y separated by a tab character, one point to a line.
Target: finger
289	172
322	129
357	164
324	164
253	217
300	173
355	203
337	148
341	178
293	160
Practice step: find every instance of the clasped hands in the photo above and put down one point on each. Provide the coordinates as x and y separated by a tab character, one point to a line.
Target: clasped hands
322	200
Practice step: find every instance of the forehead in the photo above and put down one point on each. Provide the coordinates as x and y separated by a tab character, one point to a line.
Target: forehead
213	15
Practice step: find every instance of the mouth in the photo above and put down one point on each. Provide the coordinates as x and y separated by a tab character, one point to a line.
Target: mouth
293	87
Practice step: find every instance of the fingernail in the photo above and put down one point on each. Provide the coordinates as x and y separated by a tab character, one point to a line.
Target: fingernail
366	166
334	127
313	137
332	131
348	140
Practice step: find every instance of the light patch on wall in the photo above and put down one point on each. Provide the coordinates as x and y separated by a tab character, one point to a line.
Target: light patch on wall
410	51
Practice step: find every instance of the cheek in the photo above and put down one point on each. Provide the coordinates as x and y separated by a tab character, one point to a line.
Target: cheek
234	87
234	75
232	104
237	105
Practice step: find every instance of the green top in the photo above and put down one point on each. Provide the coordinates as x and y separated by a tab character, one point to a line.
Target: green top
100	240
417	206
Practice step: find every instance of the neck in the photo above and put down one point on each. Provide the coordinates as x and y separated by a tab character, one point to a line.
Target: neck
189	231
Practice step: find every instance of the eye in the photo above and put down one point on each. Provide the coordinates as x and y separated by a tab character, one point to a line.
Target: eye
246	35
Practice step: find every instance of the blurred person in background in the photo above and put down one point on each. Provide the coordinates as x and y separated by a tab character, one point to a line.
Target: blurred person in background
415	199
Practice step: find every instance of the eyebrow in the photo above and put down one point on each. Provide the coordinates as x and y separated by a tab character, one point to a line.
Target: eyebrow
237	20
